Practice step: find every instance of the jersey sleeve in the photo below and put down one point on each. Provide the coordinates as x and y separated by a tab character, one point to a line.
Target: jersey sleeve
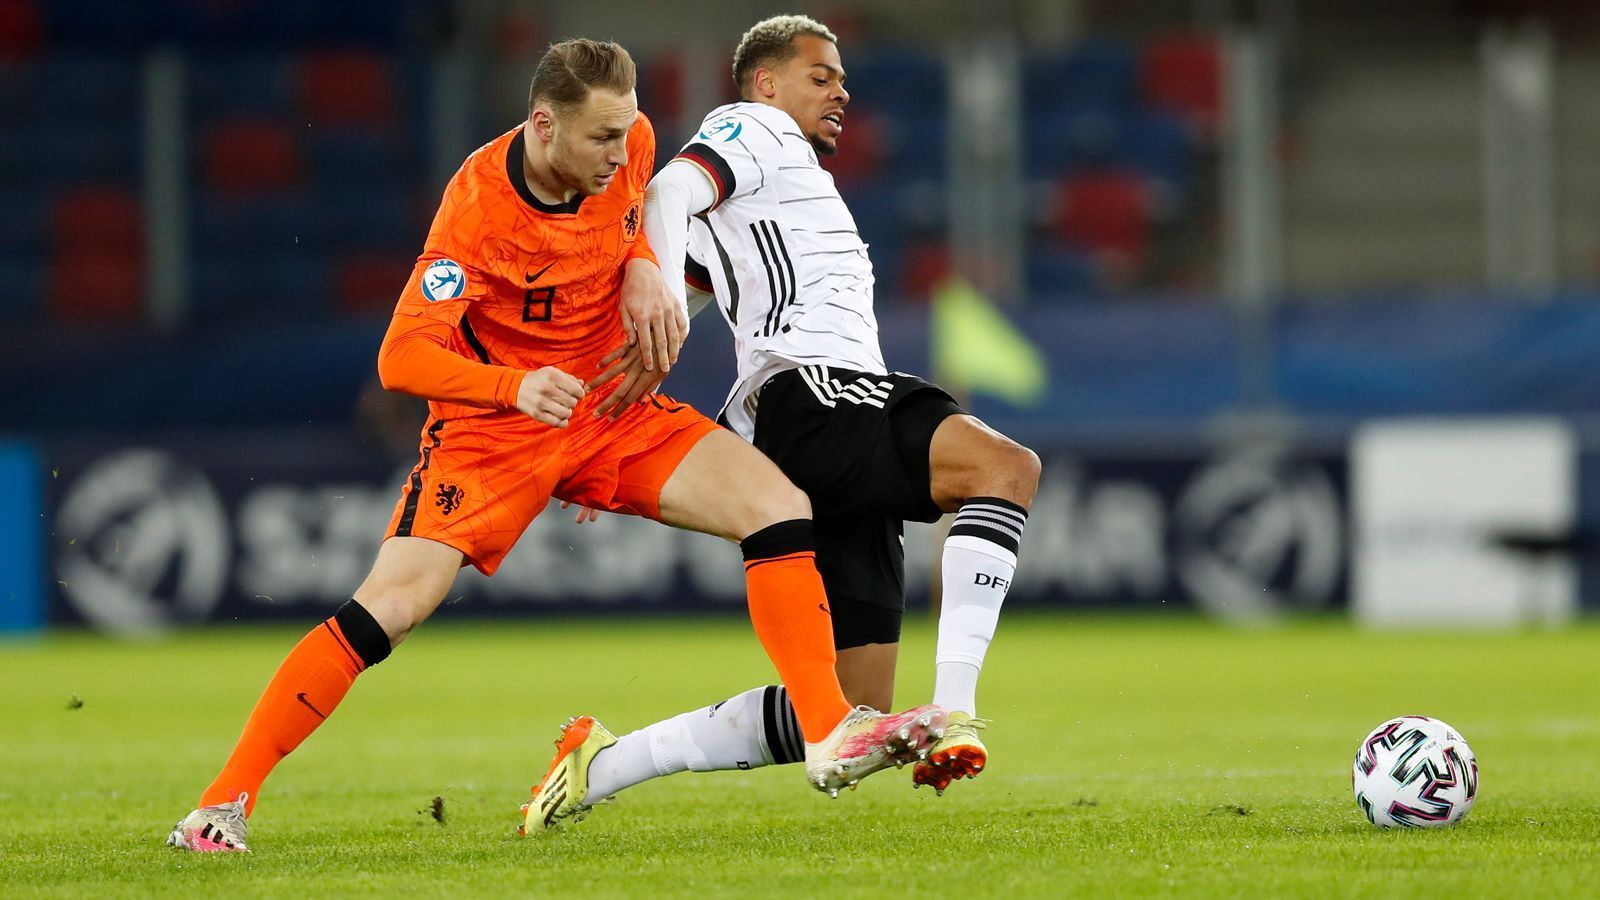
642	160
730	149
446	278
695	273
415	357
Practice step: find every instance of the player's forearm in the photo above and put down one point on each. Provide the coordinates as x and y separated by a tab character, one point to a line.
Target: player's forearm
678	191
414	360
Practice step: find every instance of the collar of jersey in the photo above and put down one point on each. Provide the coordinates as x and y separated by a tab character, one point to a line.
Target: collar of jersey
520	183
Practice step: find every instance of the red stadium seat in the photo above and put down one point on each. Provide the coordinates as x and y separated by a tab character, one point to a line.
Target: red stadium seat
926	262
347	87
102	219
21	32
92	286
1107	212
372	281
661	88
862	152
250	157
1183	74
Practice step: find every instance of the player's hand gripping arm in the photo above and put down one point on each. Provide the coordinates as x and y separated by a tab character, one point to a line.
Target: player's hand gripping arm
676	192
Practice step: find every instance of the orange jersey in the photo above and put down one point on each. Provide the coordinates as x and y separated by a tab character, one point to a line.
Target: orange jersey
507	284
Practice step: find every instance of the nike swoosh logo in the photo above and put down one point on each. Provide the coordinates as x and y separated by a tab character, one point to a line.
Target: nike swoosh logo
302	698
530	279
824	608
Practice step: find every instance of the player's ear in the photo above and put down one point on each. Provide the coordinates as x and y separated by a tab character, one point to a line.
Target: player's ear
543	123
765	82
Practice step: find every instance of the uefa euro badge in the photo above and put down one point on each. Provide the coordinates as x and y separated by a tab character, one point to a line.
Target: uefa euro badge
724	129
443	280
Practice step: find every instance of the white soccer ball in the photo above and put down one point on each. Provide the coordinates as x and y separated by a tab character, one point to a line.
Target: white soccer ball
1414	772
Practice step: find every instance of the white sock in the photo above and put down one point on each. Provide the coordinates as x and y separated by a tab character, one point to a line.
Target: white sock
980	558
756	728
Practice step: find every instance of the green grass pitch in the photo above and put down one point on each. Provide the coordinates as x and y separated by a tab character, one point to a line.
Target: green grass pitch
1129	757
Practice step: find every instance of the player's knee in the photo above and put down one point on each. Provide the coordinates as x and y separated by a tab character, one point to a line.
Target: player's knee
395	608
782	504
1023	468
1005	469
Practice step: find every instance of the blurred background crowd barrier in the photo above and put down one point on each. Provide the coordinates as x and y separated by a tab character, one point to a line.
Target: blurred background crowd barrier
1299	301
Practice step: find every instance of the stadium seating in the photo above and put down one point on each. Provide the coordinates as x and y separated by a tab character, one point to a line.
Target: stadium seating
21	29
346	87
97	272
1106	212
1122	134
307	171
1183	74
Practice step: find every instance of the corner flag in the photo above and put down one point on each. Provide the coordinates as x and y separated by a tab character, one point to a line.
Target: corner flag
976	348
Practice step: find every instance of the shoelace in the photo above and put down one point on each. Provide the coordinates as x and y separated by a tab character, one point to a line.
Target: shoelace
972	725
863	712
233	819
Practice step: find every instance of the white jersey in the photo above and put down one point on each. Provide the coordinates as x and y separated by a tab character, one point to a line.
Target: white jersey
780	251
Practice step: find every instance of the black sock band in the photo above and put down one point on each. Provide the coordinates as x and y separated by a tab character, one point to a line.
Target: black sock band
781	539
991	519
365	635
780	727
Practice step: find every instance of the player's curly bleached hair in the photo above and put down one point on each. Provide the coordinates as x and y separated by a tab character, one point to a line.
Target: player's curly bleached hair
570	68
772	41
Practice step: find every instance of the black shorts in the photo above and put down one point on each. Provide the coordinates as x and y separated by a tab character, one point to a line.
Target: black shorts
857	444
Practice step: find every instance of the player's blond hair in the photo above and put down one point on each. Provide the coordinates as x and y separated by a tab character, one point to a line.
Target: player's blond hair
570	68
772	41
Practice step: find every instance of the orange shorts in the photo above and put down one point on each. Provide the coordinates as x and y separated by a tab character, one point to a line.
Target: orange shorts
482	480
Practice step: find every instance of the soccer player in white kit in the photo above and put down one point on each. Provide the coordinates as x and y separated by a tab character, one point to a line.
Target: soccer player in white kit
763	234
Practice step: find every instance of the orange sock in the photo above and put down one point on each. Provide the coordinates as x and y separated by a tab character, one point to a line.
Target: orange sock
301	695
789	609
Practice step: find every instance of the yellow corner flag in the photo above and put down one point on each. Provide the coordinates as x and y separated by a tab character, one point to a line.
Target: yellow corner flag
976	348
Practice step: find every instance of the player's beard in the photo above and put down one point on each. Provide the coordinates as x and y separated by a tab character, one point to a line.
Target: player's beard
824	148
561	164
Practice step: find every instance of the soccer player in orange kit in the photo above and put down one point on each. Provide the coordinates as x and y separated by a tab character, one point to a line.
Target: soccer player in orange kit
533	259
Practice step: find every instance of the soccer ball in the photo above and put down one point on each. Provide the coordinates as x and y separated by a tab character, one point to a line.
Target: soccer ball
1414	772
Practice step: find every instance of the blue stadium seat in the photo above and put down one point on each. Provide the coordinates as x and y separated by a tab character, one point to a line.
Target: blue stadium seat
22	299
229	85
1162	147
1056	272
255	225
892	79
1065	139
100	23
60	151
359	158
16	88
25	226
278	285
371	216
1095	74
77	85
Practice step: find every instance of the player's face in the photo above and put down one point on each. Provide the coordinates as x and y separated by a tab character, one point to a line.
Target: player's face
810	88
590	143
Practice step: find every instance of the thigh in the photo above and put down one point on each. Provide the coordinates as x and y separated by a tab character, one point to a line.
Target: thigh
725	487
478	485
